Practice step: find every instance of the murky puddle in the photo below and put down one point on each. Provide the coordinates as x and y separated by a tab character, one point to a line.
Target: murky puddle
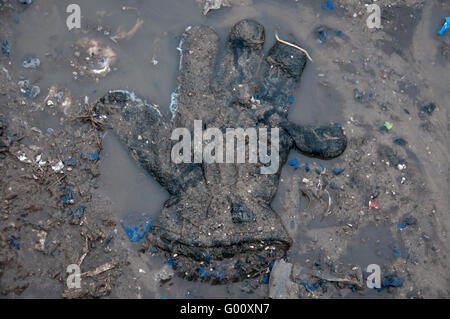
147	64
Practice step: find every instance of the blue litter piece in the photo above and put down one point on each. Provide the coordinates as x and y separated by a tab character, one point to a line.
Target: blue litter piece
70	162
202	273
401	226
5	48
256	96
444	27
291	99
337	171
392	281
94	156
136	226
307	166
266	279
283	106
68	196
329	5
322	36
339	33
14	243
293	163
25	1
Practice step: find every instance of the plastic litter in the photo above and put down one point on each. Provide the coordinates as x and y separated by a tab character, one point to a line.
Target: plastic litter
31	63
410	221
68	197
293	163
388	125
280	284
444	27
373	204
427	109
5	47
392	281
322	36
136	226
337	171
214	5
25	1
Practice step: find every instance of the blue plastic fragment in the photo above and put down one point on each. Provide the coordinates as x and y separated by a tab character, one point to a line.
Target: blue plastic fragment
256	96
293	163
307	166
5	48
309	287
339	33
329	5
291	99
202	273
322	36
400	141
70	162
337	171
283	106
401	226
136	226
25	1
444	27
67	196
171	263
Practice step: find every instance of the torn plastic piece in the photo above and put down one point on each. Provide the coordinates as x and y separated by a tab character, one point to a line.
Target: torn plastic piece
307	166
171	262
337	171
293	163
136	226
444	27
309	287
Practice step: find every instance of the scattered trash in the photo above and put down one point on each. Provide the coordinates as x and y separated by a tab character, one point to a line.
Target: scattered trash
307	166
136	226
293	163
400	141
444	27
280	284
337	171
373	204
309	287
28	90
401	226
339	33
208	5
99	270
31	63
328	5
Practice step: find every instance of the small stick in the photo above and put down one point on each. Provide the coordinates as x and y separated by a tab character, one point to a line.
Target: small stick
294	46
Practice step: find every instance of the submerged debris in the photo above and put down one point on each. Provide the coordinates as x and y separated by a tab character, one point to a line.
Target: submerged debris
208	5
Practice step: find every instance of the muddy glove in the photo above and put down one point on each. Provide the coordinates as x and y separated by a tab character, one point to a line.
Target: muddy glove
218	225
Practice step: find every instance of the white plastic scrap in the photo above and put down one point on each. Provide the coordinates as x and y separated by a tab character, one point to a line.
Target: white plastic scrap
58	167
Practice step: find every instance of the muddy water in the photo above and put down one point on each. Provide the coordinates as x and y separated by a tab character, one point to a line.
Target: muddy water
41	32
